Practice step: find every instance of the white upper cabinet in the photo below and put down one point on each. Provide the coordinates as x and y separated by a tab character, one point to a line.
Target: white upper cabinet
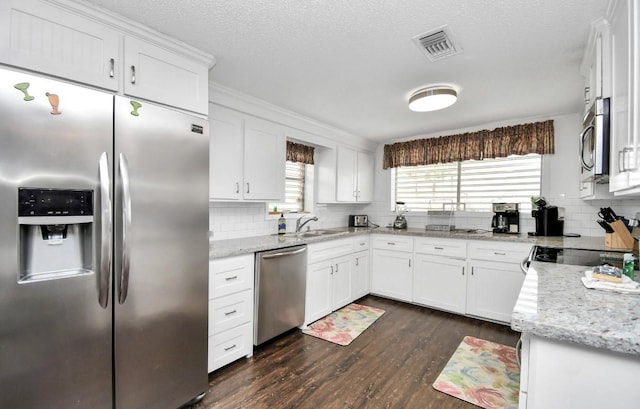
625	114
44	38
265	156
156	74
226	150
79	43
345	175
247	157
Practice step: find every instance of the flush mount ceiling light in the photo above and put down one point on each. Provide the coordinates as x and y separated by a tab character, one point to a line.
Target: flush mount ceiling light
432	99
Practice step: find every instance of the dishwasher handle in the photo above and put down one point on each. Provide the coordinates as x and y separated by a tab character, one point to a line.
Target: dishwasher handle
284	253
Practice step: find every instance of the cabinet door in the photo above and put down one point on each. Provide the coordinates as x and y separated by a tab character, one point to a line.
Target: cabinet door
440	282
225	153
364	185
42	37
340	282
492	289
318	295
156	74
346	174
264	160
392	274
621	120
360	275
631	155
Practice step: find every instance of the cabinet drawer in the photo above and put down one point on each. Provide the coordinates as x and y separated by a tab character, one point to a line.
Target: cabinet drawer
328	249
229	346
361	243
498	251
393	242
230	275
441	247
230	311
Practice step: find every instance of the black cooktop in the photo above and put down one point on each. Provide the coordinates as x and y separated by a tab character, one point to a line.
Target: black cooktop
579	257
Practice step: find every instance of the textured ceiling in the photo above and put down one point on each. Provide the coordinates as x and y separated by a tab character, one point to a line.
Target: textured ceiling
352	64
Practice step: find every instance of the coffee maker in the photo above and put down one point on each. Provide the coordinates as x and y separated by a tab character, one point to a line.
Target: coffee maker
506	218
548	221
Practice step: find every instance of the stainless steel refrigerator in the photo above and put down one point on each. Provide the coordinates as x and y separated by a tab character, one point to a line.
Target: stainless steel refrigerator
103	249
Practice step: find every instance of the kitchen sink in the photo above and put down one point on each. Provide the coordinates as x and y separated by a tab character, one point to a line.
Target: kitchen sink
311	233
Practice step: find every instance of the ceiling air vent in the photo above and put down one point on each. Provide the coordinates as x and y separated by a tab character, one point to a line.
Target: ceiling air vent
437	44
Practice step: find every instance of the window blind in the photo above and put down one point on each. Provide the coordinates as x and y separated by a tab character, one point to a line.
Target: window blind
469	185
294	189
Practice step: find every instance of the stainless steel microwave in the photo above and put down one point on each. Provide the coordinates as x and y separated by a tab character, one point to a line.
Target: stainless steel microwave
595	141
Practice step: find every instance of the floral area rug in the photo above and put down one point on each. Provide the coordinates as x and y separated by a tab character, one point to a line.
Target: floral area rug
344	325
483	373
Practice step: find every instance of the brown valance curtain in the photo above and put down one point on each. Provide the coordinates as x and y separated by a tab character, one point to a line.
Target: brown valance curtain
535	137
297	152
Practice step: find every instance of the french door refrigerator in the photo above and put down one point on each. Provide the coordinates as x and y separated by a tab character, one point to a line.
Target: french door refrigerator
103	249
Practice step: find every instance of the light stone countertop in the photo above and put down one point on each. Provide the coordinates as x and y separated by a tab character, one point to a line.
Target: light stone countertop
234	247
553	303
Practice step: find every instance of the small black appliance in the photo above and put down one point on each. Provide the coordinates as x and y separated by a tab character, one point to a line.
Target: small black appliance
548	220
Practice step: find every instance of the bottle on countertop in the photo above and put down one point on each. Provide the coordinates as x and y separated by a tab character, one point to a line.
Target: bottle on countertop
282	224
628	265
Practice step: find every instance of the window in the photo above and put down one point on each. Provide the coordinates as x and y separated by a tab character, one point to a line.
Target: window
469	185
294	190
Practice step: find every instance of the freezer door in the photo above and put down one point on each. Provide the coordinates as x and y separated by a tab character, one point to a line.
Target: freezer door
55	337
161	255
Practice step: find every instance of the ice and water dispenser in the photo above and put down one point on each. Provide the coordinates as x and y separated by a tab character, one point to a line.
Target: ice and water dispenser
56	233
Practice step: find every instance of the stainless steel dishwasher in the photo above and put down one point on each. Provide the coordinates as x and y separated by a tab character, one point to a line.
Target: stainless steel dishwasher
281	278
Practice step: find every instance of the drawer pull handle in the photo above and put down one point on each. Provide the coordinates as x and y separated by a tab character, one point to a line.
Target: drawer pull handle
497	253
230	348
231	278
230	313
391	243
438	248
133	74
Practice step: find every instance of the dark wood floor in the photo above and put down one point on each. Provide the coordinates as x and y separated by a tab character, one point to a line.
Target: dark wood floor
391	365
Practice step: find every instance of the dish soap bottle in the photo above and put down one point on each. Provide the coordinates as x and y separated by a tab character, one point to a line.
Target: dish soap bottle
628	265
282	224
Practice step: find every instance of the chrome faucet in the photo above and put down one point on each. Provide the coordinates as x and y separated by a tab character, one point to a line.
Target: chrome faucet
299	226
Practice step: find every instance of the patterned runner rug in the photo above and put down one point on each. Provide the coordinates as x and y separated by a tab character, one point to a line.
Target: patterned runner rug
483	373
344	325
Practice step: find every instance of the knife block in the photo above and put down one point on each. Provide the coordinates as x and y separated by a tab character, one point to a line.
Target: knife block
620	239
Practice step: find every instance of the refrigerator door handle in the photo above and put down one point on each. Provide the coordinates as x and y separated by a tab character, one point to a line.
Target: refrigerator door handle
123	280
106	228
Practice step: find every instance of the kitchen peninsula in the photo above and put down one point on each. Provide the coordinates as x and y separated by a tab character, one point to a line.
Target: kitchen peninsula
580	347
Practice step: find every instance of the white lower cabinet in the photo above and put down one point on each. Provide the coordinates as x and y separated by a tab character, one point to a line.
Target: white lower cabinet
328	277
564	375
360	273
439	276
230	310
440	282
392	267
495	278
